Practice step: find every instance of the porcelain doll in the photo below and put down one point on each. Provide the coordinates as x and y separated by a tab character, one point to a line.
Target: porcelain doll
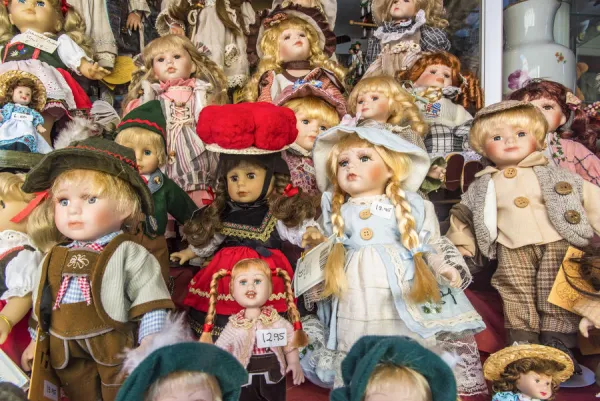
368	178
316	111
19	261
552	208
571	138
184	81
255	207
267	365
527	372
168	369
380	368
219	26
133	23
23	96
408	27
290	45
50	42
95	198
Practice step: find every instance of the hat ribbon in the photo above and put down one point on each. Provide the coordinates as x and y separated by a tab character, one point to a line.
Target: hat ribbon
297	326
39	197
64	6
573	101
274	19
290	191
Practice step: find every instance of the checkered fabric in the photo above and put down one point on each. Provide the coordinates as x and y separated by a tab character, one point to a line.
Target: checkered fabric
373	50
443	139
152	322
524	279
433	39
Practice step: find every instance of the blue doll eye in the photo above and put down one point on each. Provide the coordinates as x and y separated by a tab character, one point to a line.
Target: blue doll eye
21	1
40	4
147	152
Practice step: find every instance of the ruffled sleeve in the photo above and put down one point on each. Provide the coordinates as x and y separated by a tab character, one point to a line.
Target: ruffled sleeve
71	53
294	234
21	273
210	248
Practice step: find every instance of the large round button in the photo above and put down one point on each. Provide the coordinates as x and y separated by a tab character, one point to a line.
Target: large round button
563	188
366	234
572	216
365	214
521	202
510	172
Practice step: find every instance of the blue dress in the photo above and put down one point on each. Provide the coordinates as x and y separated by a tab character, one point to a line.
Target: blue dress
18	129
510	396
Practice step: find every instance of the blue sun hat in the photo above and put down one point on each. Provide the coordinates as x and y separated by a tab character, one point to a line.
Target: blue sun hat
377	136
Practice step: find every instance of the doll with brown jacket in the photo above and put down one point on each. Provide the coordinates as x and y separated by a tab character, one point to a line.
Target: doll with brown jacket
265	343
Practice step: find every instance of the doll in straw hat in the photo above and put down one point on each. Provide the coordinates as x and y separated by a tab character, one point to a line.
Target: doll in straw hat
527	372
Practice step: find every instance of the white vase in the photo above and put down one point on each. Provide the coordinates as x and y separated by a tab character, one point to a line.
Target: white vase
530	50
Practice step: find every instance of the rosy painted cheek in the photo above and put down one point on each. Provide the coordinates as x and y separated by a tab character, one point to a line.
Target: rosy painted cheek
375	172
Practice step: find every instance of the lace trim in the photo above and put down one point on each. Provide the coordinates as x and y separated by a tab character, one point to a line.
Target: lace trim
236	80
232	54
367	200
228	297
10	239
261	233
267	317
390	32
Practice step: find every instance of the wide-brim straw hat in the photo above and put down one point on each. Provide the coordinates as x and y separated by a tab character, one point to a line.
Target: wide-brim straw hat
9	78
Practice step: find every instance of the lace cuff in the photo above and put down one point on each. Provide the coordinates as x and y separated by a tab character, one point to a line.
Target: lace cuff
210	248
294	234
448	256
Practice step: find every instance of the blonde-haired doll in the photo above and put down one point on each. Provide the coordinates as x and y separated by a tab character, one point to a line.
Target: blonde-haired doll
184	81
290	45
50	42
408	28
388	251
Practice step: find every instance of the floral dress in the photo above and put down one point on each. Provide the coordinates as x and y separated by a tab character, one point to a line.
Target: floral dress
18	129
573	156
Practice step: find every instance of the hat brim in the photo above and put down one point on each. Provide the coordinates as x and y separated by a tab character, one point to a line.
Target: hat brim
495	365
10	77
246	151
307	89
122	71
21	161
328	139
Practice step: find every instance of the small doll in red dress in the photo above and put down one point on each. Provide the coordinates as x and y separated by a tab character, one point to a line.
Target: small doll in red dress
265	343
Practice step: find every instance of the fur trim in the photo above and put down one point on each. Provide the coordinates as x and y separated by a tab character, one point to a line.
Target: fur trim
175	331
78	129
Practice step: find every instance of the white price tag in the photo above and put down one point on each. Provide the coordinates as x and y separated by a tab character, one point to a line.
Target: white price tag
271	338
310	269
309	169
50	391
39	41
382	210
21	117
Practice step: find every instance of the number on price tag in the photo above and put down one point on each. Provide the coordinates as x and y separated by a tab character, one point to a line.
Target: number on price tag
271	338
382	210
22	117
50	391
309	169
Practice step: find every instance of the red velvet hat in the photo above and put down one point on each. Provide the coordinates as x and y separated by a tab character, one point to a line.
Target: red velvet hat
247	128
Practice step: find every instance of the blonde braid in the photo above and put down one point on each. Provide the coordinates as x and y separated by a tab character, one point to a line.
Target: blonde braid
425	287
206	336
335	276
410	113
300	339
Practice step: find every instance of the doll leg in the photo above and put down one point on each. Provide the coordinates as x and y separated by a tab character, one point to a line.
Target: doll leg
515	281
79	379
49	120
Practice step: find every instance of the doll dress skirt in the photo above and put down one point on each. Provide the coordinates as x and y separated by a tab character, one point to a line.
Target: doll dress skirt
15	130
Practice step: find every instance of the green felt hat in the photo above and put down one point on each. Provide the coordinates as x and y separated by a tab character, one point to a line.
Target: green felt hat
148	116
96	154
13	160
369	351
189	357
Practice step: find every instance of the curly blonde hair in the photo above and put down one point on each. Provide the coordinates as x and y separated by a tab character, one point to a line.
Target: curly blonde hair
206	69
187	380
402	108
71	23
434	11
387	377
424	285
270	61
314	108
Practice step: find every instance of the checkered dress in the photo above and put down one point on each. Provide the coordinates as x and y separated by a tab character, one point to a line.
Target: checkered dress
443	139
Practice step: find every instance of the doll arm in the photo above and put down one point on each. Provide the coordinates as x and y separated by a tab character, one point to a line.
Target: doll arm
248	14
294	234
37	118
75	59
460	235
179	203
140	6
434	39
292	355
15	309
7	111
326	200
591	194
203	252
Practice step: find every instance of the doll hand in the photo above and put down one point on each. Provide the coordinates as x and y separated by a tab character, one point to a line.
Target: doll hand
312	237
183	256
585	325
41	129
27	357
437	172
134	21
452	275
176	30
463	251
92	70
297	373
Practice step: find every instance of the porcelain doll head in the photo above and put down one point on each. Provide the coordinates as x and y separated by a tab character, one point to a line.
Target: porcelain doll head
42	16
313	116
563	114
382	99
251	287
185	386
22	88
508	132
390	382
12	201
402	10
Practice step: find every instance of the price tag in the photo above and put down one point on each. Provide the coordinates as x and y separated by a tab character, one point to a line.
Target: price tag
39	41
22	117
310	268
50	391
382	210
271	338
309	169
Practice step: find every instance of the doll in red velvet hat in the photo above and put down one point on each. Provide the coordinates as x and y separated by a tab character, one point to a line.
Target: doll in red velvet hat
255	208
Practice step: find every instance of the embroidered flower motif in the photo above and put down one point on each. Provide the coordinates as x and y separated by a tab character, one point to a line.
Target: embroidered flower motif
406	46
78	261
14	53
314	82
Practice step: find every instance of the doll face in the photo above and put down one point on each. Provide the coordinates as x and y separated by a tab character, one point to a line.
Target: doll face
373	105
22	95
251	288
82	215
245	183
173	64
551	111
8	209
308	129
437	75
535	385
293	45
146	157
184	394
403	9
362	172
37	15
507	145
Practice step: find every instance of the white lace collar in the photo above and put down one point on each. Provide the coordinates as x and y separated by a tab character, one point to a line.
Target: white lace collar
10	239
395	31
367	200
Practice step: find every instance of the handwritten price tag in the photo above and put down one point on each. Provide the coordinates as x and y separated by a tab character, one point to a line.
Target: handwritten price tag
382	210
22	117
39	41
271	338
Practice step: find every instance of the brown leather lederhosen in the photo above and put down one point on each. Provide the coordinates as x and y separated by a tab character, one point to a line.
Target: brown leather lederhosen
85	343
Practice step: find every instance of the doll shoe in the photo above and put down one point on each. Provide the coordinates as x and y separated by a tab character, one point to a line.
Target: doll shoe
559	345
454	168
471	168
